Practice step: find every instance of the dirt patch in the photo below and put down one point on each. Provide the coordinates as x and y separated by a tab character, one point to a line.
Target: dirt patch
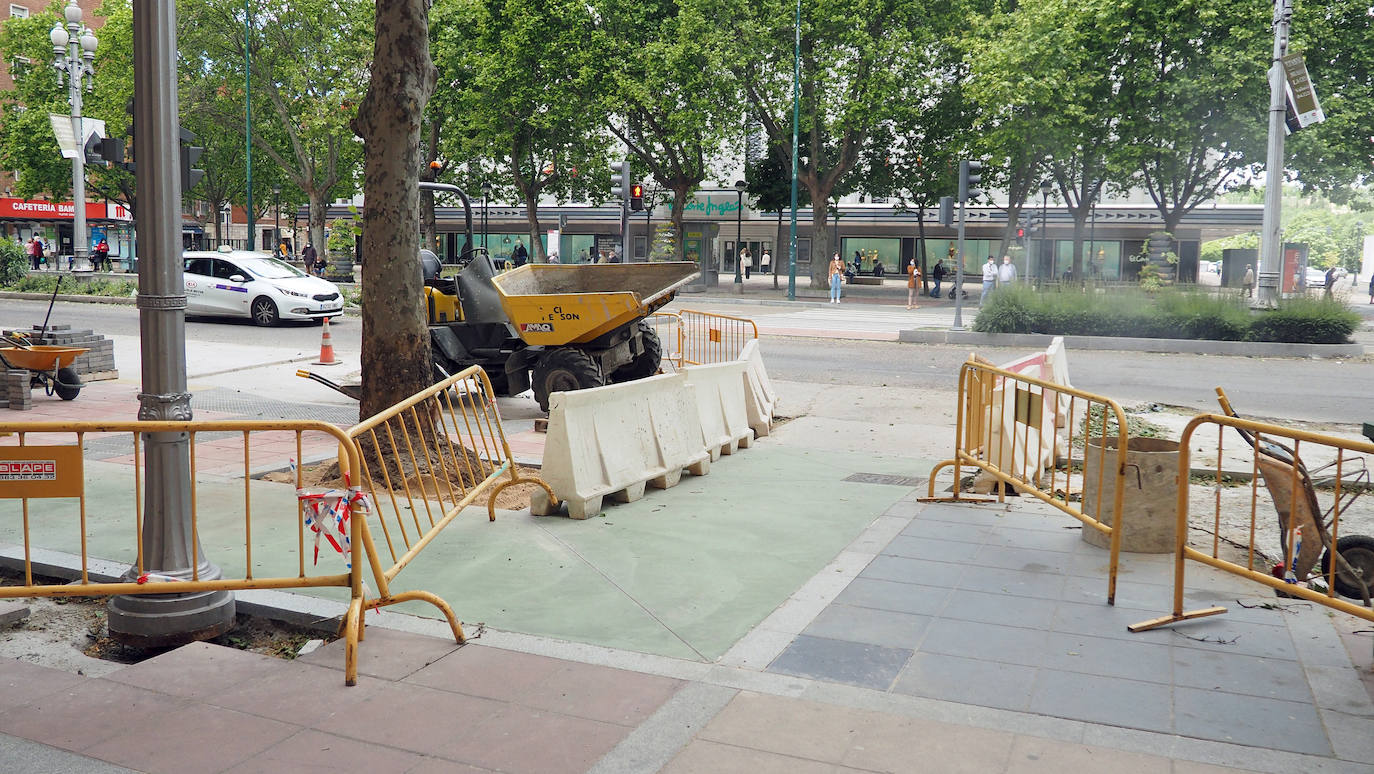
70	634
326	475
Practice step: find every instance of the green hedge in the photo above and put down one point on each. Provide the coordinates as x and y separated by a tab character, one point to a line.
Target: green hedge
1168	314
44	283
14	263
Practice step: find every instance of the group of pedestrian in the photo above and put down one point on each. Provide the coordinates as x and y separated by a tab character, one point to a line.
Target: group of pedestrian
37	252
995	276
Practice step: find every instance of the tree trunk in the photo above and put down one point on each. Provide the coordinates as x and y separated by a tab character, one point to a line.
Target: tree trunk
1080	228
532	217
395	343
820	242
319	209
675	214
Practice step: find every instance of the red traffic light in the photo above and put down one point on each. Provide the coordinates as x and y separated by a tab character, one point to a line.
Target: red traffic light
637	191
636	196
1020	232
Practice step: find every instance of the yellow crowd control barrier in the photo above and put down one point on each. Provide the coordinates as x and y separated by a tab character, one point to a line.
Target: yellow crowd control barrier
1308	505
1009	426
706	337
422	462
668	327
261	542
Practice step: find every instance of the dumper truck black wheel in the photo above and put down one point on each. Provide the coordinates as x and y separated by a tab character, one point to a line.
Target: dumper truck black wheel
564	369
68	384
1358	552
646	364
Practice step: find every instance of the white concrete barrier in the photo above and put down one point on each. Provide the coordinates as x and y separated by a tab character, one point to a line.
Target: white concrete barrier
720	403
613	441
759	398
1023	437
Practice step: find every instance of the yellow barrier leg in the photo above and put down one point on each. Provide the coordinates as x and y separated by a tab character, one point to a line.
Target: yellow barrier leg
433	599
496	490
1155	623
352	627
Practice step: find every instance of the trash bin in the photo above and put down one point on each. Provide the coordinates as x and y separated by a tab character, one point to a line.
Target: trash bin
1149	507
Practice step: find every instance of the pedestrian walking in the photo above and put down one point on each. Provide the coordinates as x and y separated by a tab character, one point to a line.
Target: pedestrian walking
913	281
746	260
1330	280
836	278
1371	288
765	263
939	274
102	256
308	258
519	256
1248	281
1006	273
35	251
989	279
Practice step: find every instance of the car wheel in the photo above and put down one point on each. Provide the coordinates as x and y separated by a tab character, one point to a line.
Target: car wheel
264	311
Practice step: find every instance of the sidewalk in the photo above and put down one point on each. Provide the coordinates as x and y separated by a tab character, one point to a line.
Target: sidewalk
882	661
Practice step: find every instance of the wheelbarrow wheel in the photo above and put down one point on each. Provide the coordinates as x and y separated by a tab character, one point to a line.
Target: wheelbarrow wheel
68	384
562	370
1358	552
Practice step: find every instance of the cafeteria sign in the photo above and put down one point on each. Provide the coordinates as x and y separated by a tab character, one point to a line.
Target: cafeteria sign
40	471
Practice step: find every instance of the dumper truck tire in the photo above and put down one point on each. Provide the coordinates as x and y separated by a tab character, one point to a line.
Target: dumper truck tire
646	364
564	369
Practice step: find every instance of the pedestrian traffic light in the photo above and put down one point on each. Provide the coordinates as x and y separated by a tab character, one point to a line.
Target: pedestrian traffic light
1020	233
637	197
620	175
970	175
947	210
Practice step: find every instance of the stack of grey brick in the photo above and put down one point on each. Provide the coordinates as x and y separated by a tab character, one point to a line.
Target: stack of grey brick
16	392
98	362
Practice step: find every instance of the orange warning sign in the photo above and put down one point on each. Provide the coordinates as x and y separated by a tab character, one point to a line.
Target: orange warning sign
40	471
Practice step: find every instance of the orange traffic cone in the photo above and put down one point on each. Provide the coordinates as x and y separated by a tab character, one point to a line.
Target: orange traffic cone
326	347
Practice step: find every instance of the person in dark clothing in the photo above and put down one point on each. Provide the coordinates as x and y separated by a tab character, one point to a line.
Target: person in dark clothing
939	274
308	258
102	256
518	256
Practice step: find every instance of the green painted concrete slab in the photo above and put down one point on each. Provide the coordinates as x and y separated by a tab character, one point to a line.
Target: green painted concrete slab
684	572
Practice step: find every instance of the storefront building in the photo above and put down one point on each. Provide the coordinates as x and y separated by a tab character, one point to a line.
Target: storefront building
22	219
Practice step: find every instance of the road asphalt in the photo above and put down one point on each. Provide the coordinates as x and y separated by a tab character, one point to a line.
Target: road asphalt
799	609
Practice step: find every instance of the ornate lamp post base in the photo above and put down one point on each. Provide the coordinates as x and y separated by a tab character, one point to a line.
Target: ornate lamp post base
170	620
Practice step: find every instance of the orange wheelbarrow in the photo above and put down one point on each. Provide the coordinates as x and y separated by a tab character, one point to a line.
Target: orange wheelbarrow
49	366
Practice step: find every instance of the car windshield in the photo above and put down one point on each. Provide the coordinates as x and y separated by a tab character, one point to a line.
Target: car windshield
270	268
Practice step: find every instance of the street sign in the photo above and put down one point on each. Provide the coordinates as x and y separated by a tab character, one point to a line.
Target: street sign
40	471
66	138
1303	106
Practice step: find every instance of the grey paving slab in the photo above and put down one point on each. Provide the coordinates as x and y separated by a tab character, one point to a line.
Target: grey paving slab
949	530
915	547
985	642
1102	620
18	755
904	570
1271	678
1240	637
968	681
1111	700
875	627
1250	720
1351	737
1004	609
854	663
1040	583
1145	661
893	595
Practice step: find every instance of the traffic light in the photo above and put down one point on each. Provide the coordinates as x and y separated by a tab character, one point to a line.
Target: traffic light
947	210
91	150
620	175
970	175
190	154
637	197
1020	233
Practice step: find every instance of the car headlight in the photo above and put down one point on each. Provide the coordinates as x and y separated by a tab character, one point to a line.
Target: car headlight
290	292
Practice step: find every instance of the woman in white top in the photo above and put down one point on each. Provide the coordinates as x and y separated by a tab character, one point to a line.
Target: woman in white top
746	260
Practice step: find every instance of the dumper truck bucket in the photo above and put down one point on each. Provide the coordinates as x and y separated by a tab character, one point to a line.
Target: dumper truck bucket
555	304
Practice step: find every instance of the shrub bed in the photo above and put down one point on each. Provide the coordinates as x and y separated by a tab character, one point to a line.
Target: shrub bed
44	283
1166	314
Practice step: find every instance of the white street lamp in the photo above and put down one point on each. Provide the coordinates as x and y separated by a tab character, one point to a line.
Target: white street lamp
73	49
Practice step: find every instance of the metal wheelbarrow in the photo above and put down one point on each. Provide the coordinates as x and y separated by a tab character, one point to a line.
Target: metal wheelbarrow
48	366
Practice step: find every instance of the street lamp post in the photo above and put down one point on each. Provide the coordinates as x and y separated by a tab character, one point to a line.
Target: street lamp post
73	48
740	185
486	193
169	542
1044	214
796	120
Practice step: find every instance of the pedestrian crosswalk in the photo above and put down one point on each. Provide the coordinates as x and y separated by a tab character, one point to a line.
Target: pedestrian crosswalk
859	320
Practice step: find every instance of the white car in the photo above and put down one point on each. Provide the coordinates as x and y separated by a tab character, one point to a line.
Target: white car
1316	278
245	284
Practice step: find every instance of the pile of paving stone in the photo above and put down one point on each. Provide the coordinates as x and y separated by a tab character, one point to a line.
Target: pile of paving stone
96	365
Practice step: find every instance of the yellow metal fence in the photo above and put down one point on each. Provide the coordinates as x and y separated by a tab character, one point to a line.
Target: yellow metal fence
1300	512
51	496
706	337
1022	433
422	462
